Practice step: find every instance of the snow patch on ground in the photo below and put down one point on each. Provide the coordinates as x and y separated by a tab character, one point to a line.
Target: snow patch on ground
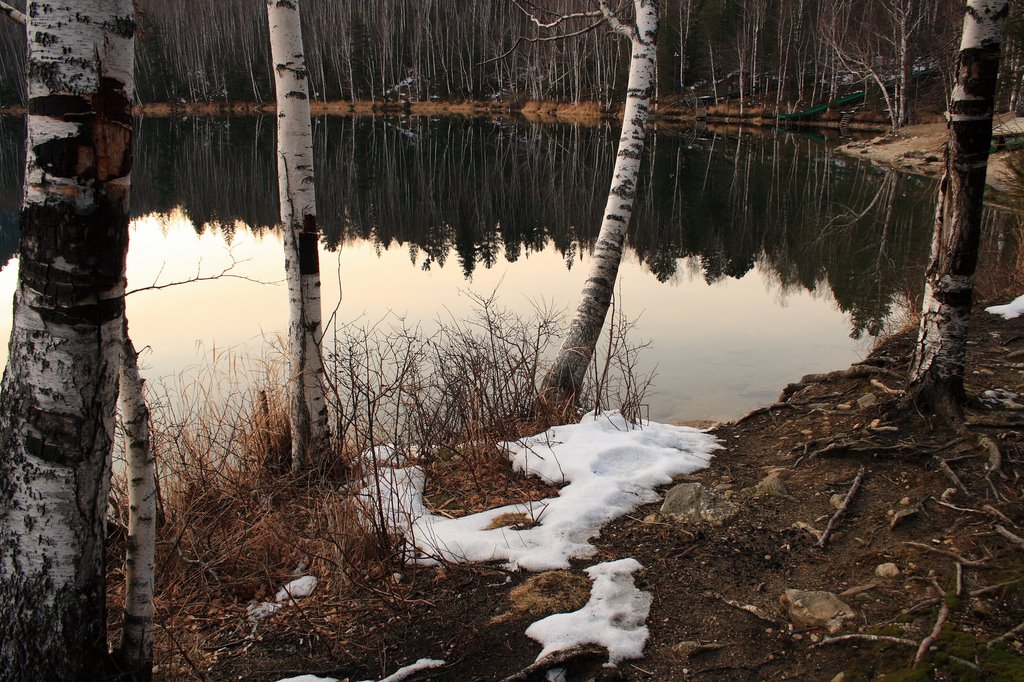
409	670
397	676
614	617
1014	308
296	589
609	465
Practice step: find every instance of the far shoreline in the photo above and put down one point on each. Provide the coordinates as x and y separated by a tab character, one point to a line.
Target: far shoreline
540	111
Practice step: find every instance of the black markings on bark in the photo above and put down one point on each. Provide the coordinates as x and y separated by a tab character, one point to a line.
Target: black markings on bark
63	107
309	258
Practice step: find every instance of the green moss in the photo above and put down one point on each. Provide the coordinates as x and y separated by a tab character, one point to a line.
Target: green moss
889	630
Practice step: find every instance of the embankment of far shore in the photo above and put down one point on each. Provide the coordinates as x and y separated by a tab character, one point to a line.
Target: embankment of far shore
545	111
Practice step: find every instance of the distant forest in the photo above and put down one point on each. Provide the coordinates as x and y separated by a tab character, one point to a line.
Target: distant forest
782	54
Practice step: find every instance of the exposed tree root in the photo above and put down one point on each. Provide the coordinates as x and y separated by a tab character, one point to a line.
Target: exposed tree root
763	410
854	372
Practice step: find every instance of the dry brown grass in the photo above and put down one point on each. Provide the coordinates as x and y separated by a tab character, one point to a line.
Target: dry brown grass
235	523
547	593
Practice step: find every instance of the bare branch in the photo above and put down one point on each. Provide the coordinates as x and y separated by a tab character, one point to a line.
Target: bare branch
541	39
223	274
615	22
558	18
13	14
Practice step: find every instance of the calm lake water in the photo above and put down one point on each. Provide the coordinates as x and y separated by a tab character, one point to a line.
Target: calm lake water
752	259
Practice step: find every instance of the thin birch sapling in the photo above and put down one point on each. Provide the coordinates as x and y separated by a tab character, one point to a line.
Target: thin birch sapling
296	187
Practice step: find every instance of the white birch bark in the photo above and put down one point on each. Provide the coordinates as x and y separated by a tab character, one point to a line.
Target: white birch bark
565	376
59	389
136	649
307	406
937	368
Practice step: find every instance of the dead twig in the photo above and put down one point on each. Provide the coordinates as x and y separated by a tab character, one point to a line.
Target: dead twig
980	592
1006	635
970	563
1015	539
951	475
751	609
823	540
865	637
554	660
933	636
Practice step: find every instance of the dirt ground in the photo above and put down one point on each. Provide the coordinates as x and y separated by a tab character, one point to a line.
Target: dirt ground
919	148
953	537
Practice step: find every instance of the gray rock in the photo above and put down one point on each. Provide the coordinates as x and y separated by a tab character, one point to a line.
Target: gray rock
867	400
692	503
816	609
887	570
769	486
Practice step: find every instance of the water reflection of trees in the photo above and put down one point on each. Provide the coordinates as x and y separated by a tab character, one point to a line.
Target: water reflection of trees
478	191
12	170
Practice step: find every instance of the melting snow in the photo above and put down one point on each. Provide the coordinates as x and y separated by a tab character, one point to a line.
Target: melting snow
610	467
397	676
296	589
614	617
1014	308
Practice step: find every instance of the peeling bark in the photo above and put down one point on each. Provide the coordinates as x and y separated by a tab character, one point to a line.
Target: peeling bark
59	390
564	378
937	369
307	407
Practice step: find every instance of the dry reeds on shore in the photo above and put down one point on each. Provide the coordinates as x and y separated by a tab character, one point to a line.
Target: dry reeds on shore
234	523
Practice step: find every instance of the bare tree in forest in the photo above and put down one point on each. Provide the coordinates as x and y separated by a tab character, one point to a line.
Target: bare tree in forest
60	387
564	378
937	368
307	408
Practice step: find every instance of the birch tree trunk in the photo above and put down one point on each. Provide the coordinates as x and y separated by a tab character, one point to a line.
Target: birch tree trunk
564	378
307	407
59	390
136	650
937	368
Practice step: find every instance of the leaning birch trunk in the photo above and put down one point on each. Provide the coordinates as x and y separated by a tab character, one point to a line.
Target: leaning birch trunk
136	650
59	390
937	369
564	379
307	408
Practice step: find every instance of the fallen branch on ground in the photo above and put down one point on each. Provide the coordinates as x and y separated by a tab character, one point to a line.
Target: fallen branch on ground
951	475
1016	539
970	563
554	660
823	540
1006	635
933	636
870	638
